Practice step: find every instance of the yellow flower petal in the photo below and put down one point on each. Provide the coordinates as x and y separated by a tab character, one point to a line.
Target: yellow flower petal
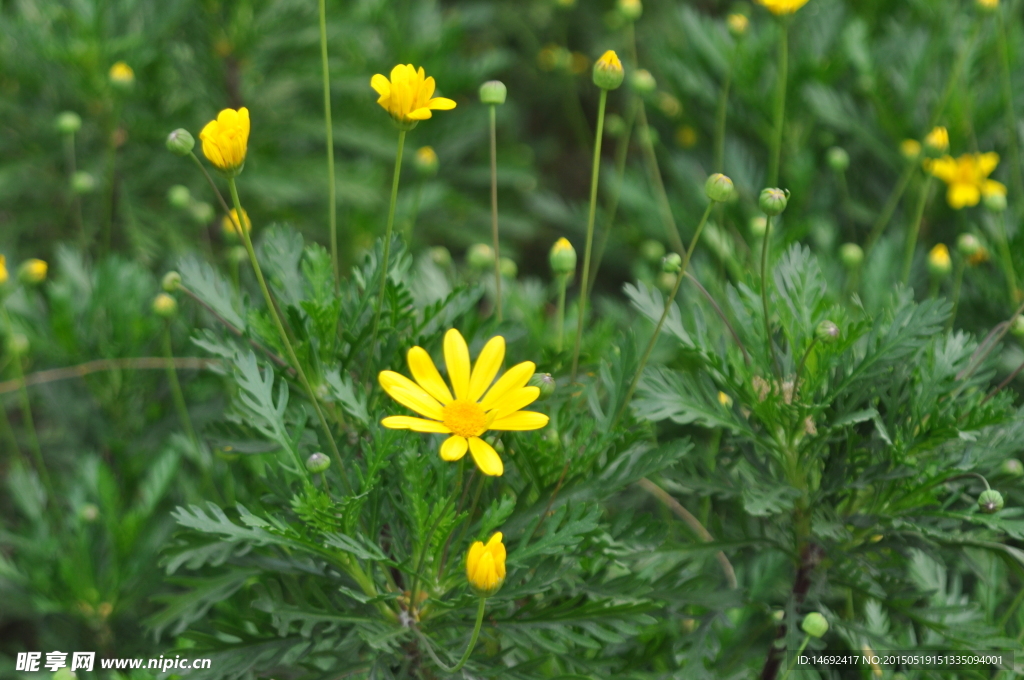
425	373
456	359
485	457
486	367
961	195
520	421
944	168
986	163
454	448
514	378
381	85
409	394
441	104
990	187
414	424
420	114
515	400
497	549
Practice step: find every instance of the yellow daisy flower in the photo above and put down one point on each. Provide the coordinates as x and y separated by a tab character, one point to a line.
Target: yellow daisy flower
474	409
967	177
409	95
778	7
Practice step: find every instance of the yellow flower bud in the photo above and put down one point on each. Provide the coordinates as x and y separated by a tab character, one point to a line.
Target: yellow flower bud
608	71
485	566
630	9
230	223
737	23
562	257
938	139
3	270
725	400
426	161
939	263
121	75
164	305
780	7
226	139
33	272
988	4
910	149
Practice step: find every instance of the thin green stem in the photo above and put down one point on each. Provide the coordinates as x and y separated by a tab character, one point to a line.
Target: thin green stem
272	310
721	114
594	176
30	425
469	649
1011	118
387	239
780	104
803	362
764	292
213	185
1006	259
76	200
111	179
332	212
494	211
177	395
664	315
803	646
654	173
915	229
890	206
562	283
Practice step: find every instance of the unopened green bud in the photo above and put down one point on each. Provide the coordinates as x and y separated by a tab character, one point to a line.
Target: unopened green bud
815	625
758	226
493	92
996	202
179	196
852	255
480	256
1017	326
317	463
719	188
838	159
171	282
164	305
508	268
180	142
1012	467
18	344
608	71
83	182
88	513
652	250
630	9
672	263
666	281
990	501
440	256
562	257
545	383
237	255
773	201
968	245
68	122
642	81
201	212
827	332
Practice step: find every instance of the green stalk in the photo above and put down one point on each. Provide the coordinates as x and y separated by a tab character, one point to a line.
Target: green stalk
780	104
178	396
594	176
722	113
387	238
664	315
33	439
915	228
1006	259
803	646
651	160
1011	119
272	310
329	128
469	649
764	291
76	200
494	210
562	283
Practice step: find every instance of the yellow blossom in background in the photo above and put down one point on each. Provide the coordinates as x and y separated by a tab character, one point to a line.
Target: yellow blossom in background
426	160
937	139
33	271
553	56
725	400
966	177
226	139
981	256
476	407
578	63
780	7
230	223
737	23
669	105
910	149
408	95
686	136
485	565
988	4
3	270
939	262
121	74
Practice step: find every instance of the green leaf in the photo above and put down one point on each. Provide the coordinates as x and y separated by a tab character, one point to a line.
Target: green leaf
210	287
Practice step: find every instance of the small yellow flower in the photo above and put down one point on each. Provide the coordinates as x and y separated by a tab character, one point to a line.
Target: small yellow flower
988	4
230	223
939	263
737	23
967	177
409	95
937	139
3	270
226	139
910	149
485	566
474	409
725	400
121	74
34	271
780	7
426	160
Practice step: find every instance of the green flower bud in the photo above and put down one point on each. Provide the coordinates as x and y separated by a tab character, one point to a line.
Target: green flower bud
480	256
608	72
815	625
827	332
1012	467
562	257
179	196
493	92
666	281
968	245
630	9
68	122
201	212
237	255
758	226
32	272
1017	326
838	159
508	268
719	188
642	81
17	344
171	282
440	256
614	126
317	463
851	254
83	182
652	250
164	305
425	161
773	201
180	142
88	513
545	383
672	263
996	202
939	262
990	501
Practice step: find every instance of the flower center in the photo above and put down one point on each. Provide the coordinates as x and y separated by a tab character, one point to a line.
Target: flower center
465	418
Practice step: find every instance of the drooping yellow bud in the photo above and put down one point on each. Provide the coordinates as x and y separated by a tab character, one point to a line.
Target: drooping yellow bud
485	566
226	139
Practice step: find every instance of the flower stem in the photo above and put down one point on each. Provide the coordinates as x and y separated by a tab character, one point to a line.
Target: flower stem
387	238
915	229
469	649
494	211
272	310
721	113
76	200
178	396
1011	119
664	315
332	212
594	176
780	104
803	646
764	291
213	185
562	283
